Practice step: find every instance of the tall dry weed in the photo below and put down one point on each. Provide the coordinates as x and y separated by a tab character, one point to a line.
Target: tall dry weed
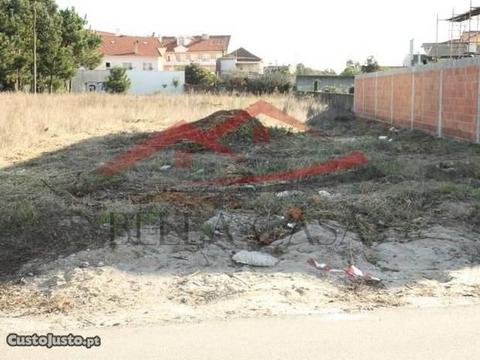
30	125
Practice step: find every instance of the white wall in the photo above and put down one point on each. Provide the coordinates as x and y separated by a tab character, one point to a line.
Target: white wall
143	82
207	59
150	82
232	65
136	61
227	65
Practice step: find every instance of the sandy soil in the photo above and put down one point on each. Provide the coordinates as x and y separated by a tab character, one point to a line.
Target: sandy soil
414	334
132	284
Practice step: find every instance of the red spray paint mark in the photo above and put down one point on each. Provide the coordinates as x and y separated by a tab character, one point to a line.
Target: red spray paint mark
183	131
341	163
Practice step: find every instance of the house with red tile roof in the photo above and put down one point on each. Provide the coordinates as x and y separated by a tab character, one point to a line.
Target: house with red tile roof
131	52
167	53
240	60
203	50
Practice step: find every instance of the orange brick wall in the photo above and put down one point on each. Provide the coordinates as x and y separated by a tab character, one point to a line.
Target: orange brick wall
426	102
460	101
439	99
402	100
384	99
369	96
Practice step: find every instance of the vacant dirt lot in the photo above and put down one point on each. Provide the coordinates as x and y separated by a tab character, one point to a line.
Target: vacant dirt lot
96	250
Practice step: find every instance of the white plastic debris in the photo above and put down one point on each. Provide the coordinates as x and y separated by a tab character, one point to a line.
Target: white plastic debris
166	167
351	271
288	193
383	138
324	193
255	258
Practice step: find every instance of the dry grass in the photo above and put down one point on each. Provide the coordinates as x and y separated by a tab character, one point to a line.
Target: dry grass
56	203
30	125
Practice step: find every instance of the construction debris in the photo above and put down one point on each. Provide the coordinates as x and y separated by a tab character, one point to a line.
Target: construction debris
351	271
324	193
255	258
288	193
296	214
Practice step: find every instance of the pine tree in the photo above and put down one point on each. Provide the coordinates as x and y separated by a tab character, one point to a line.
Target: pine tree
118	81
63	44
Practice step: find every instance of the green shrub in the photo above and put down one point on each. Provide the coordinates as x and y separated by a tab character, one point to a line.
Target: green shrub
259	85
197	75
118	81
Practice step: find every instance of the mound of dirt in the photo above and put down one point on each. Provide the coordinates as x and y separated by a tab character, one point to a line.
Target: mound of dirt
233	127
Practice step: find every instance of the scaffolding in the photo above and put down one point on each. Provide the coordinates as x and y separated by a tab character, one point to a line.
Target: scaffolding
464	36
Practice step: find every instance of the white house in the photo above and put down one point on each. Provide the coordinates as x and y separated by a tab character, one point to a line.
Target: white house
166	53
142	56
143	53
240	60
203	50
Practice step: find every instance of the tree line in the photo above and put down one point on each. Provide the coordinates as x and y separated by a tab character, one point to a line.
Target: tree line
60	38
352	68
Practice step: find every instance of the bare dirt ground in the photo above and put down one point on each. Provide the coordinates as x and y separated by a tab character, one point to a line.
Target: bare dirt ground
148	284
409	217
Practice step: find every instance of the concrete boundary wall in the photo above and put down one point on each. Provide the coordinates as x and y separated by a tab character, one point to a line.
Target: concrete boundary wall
442	99
338	101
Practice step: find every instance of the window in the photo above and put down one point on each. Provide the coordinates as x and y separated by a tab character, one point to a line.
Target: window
108	65
169	58
128	66
147	66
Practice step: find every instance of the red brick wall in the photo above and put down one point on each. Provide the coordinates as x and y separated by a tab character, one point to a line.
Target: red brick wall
427	87
460	101
402	100
369	96
444	100
384	98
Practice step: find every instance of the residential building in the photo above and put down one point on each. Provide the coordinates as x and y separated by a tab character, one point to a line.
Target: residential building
240	60
467	45
203	50
142	56
142	53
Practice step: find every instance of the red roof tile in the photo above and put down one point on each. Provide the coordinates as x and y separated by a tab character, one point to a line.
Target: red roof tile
129	45
198	43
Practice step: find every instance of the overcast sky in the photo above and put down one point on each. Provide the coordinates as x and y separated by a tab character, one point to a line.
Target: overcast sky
317	33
